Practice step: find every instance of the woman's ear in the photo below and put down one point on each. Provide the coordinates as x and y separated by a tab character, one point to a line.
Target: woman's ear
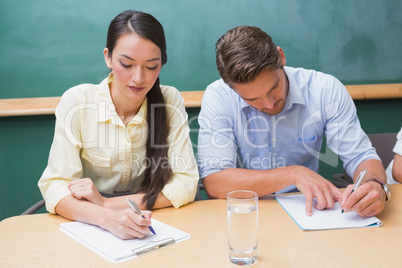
108	59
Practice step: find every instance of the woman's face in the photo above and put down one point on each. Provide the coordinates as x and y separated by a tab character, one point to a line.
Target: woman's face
136	64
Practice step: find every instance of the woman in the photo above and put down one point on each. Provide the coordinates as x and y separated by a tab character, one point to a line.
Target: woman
126	135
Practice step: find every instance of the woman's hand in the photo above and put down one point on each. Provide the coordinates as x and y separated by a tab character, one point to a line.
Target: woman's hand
85	189
127	224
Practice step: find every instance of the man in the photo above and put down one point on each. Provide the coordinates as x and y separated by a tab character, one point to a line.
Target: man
262	125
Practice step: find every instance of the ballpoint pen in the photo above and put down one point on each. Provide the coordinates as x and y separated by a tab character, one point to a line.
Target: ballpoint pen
132	204
358	181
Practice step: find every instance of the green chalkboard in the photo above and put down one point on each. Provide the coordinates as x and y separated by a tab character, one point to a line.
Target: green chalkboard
47	46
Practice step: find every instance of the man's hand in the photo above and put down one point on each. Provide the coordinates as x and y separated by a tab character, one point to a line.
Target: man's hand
367	200
312	185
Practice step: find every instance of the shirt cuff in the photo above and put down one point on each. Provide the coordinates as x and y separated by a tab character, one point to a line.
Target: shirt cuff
398	147
177	192
53	197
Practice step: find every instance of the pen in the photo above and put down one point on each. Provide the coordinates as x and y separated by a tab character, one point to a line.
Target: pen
132	204
358	181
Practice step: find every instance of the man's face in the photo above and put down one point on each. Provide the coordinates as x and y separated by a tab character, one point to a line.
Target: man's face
267	92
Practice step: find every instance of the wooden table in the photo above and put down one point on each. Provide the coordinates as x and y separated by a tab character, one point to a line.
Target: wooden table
36	241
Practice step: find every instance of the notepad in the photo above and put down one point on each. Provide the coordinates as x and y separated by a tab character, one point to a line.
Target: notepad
331	218
116	250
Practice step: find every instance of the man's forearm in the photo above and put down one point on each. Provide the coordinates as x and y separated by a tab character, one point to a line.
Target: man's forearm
375	169
263	182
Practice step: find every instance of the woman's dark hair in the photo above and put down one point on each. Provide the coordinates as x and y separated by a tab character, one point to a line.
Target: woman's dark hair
158	171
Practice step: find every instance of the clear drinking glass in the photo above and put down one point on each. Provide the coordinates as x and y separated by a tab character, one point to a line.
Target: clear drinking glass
242	226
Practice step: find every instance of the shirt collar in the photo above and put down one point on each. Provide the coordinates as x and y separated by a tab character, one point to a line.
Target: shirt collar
107	110
294	95
141	116
243	103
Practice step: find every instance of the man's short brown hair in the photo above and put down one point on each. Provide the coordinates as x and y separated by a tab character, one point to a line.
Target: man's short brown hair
243	52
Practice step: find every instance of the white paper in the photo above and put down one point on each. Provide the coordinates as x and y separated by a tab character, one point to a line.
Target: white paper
111	247
332	218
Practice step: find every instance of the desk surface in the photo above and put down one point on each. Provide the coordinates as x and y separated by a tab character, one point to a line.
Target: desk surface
36	241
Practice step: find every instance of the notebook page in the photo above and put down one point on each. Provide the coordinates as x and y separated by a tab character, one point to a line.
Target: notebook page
112	247
331	218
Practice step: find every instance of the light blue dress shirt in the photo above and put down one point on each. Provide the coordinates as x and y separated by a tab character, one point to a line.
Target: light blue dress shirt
234	134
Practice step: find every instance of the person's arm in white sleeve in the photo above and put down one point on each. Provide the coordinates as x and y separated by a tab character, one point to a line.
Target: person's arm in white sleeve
64	163
397	167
